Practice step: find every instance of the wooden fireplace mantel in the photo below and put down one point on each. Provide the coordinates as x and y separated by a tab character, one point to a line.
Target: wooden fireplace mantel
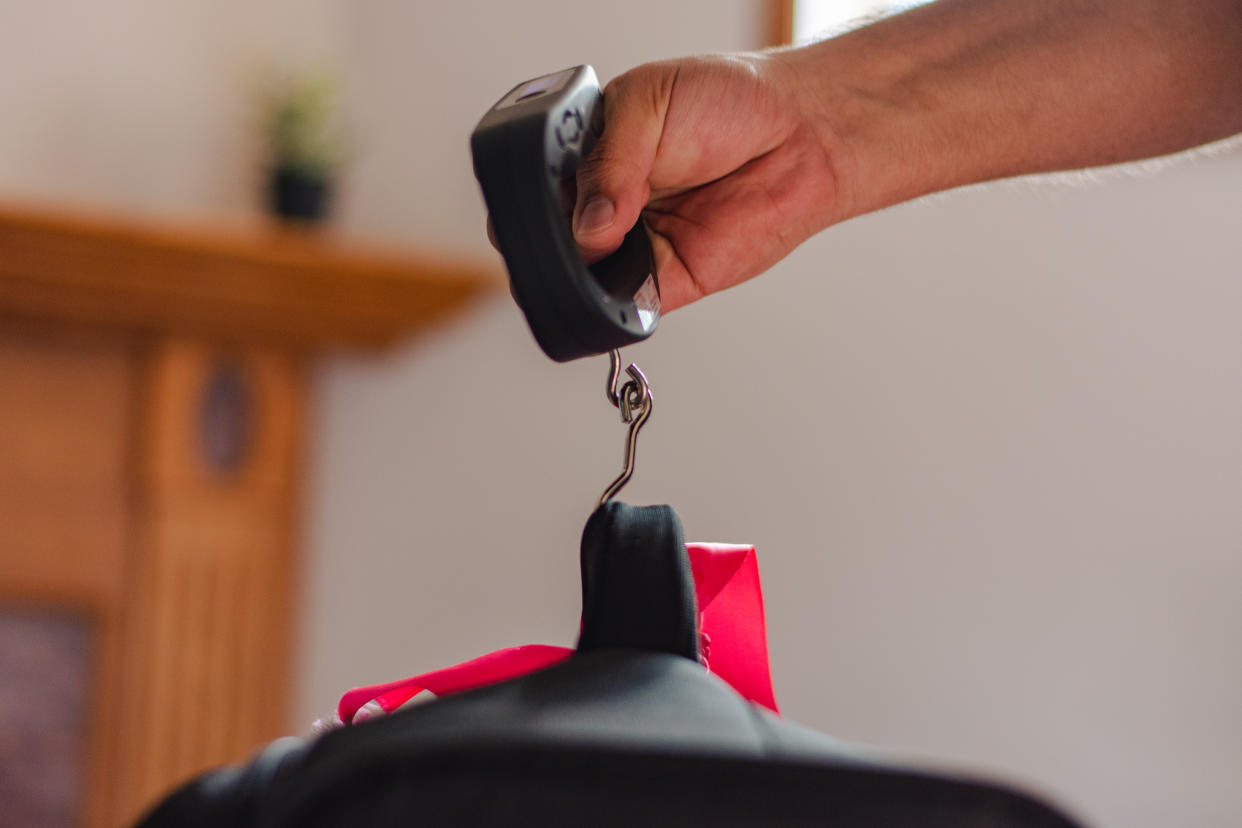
259	281
152	393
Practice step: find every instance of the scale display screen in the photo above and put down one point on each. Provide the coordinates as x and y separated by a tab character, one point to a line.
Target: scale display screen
536	87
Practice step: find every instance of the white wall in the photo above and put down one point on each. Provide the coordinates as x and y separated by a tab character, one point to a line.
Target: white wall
145	104
989	446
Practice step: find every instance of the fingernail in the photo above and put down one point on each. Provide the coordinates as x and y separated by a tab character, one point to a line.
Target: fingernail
595	216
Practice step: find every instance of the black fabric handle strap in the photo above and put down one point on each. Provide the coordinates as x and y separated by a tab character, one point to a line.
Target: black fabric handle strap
637	588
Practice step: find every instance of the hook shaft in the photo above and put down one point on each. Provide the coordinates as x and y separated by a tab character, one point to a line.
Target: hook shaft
614	377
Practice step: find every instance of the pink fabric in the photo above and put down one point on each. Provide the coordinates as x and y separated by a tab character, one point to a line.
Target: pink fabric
732	631
501	665
726	582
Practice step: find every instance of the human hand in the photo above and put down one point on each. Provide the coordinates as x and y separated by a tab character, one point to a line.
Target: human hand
733	160
724	161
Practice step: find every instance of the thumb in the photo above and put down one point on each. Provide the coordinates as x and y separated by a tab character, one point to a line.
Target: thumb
612	181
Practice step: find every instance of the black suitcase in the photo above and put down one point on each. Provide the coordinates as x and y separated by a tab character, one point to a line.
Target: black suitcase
629	731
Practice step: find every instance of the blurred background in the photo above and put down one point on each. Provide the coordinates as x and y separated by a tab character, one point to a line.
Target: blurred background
988	444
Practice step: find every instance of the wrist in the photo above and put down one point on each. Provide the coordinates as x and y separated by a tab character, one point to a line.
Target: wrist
881	137
823	112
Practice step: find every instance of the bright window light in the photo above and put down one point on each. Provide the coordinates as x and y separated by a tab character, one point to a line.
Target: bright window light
813	19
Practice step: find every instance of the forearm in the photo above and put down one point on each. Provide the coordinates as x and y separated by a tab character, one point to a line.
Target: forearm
962	91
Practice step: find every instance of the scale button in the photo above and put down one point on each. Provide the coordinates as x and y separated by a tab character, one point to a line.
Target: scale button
571	123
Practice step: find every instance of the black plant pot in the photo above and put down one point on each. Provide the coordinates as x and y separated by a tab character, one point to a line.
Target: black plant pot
298	194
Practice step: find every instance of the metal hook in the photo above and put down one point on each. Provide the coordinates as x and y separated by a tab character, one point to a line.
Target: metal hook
634	396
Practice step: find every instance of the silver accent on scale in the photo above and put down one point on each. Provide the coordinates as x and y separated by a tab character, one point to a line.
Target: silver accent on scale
647	303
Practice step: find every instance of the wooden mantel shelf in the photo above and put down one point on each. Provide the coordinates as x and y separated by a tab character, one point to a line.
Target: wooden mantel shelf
258	283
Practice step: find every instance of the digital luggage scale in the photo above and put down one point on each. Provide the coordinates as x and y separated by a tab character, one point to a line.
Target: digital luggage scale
526	150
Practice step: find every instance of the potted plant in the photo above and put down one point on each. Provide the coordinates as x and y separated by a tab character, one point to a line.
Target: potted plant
304	146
